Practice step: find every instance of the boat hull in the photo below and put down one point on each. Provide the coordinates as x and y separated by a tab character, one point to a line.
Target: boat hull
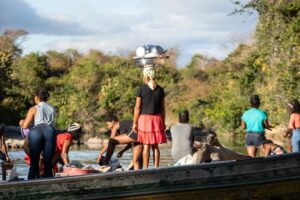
259	178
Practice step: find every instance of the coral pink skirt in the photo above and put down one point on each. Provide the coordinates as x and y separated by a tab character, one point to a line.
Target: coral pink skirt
151	129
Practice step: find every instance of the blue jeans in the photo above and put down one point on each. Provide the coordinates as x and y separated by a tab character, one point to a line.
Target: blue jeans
42	138
296	140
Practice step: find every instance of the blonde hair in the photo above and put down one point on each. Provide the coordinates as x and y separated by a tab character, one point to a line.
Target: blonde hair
149	73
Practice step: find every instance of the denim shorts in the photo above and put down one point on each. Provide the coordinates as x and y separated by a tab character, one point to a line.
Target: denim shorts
133	135
255	139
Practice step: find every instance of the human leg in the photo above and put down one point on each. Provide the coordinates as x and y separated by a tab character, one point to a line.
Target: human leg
137	155
36	143
156	155
110	150
146	154
251	151
49	149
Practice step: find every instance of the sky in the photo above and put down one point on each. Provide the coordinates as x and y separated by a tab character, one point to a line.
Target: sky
120	26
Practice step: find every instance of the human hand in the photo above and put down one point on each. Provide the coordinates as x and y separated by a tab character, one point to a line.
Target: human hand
7	159
135	127
286	134
67	165
21	122
99	158
120	154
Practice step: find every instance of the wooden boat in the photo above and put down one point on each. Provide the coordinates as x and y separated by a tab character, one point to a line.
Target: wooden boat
275	177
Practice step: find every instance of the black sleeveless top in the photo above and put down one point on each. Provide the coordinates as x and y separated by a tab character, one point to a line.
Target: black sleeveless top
151	99
125	127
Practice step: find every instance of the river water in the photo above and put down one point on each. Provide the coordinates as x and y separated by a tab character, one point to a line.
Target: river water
87	155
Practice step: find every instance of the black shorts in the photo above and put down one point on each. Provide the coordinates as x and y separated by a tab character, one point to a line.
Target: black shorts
132	135
255	139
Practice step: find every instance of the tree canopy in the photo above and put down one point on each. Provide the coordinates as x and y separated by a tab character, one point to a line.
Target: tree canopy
84	87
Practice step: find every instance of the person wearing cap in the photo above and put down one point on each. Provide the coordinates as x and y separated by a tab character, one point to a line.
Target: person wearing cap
64	141
255	121
293	129
149	116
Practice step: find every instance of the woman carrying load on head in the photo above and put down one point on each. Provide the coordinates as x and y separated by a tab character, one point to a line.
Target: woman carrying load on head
255	122
42	136
149	116
294	125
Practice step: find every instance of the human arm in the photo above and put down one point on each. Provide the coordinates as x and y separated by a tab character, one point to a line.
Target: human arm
163	113
29	118
26	146
137	111
65	151
291	126
267	150
266	124
287	132
113	133
244	124
120	153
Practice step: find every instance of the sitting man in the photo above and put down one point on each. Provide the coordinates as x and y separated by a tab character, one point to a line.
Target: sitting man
271	149
182	137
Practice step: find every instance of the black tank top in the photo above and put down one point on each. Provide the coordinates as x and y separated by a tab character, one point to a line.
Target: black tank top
125	127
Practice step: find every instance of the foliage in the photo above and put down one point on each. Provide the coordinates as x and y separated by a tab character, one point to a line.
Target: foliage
85	87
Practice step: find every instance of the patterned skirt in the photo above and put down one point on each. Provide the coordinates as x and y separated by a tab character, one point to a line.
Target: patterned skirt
151	129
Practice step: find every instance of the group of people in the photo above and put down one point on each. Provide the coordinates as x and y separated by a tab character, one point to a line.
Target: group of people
45	146
255	121
145	131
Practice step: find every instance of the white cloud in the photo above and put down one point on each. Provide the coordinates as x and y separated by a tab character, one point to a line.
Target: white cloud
19	15
195	25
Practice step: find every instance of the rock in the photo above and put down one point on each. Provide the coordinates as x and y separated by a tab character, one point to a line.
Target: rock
14	143
94	140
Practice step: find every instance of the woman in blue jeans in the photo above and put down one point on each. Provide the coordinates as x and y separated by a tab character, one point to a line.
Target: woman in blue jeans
42	136
294	125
